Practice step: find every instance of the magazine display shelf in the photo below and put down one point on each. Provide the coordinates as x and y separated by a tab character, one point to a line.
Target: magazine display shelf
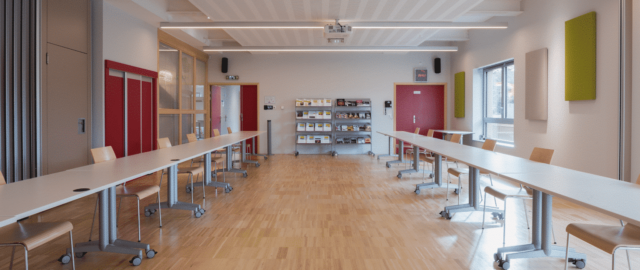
308	106
361	137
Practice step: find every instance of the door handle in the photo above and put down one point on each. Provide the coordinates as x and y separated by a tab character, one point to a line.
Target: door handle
81	125
414	119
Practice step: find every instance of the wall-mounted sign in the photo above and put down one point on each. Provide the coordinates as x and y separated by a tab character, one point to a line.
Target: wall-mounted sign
420	75
233	77
269	100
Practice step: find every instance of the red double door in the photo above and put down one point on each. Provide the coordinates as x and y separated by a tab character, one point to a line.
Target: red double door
130	104
420	106
248	110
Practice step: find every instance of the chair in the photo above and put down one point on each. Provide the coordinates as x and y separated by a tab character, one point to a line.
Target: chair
488	145
192	138
605	237
539	155
33	235
430	160
191	171
104	154
408	146
235	148
424	151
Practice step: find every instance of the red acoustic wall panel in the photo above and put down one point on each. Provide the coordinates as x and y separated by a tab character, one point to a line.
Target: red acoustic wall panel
134	127
249	110
147	117
114	113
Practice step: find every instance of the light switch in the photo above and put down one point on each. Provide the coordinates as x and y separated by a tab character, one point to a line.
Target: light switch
282	107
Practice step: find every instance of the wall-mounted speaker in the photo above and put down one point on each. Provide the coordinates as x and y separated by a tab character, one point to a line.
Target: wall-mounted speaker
225	65
437	65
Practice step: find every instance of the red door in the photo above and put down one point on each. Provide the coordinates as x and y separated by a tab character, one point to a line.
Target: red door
249	110
419	106
215	108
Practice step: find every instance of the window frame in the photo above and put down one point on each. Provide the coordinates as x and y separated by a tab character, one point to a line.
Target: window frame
503	119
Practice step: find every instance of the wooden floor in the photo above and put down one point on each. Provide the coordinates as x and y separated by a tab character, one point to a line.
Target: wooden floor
317	212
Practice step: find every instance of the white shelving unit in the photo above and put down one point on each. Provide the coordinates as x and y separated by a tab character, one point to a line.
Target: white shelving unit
356	117
312	111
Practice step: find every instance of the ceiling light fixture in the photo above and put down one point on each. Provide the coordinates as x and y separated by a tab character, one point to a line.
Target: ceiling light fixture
334	49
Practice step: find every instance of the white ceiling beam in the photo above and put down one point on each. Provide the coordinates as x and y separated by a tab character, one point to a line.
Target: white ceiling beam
320	25
332	49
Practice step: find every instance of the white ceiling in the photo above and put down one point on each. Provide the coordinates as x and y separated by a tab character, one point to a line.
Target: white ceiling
326	10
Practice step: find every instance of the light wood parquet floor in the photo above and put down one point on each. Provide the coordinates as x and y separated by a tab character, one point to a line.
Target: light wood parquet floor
317	212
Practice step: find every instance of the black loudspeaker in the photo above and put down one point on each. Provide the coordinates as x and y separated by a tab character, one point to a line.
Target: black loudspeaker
437	65
225	65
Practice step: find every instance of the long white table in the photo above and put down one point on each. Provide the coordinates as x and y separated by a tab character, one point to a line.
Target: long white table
616	198
33	196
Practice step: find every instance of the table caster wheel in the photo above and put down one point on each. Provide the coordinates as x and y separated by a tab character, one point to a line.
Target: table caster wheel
265	158
202	210
496	257
579	263
505	265
430	175
228	189
147	213
456	191
151	253
417	191
297	153
399	176
188	189
136	261
448	216
443	213
64	259
245	175
388	166
197	213
257	165
80	254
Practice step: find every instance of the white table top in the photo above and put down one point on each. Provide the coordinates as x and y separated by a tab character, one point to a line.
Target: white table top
32	196
616	198
454	131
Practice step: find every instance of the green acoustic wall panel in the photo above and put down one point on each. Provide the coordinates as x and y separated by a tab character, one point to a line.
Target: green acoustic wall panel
580	58
459	95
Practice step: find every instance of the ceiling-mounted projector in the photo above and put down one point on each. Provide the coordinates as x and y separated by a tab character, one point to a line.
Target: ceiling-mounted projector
336	33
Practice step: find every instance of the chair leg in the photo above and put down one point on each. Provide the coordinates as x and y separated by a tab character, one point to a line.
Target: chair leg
526	216
73	260
203	193
484	209
13	252
94	219
566	254
159	209
139	235
460	188
118	217
494	198
160	185
628	257
553	232
26	258
613	260
448	181
504	226
192	191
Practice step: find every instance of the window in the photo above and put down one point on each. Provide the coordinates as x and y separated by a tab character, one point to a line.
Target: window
498	102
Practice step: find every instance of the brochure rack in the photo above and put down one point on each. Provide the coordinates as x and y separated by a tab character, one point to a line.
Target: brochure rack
314	123
353	124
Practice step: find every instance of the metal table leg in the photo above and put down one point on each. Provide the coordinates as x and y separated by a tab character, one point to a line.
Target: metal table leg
541	245
207	177
400	157
109	241
244	155
416	164
474	198
229	167
436	175
172	195
253	141
390	150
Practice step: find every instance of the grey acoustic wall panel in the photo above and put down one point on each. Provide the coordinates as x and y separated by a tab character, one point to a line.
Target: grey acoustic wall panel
536	85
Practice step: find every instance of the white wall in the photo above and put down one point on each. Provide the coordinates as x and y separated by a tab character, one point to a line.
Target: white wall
583	133
230	112
288	76
120	37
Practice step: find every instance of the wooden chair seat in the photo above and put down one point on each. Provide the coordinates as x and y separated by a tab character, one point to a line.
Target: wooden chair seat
458	171
137	191
213	159
191	170
33	235
606	237
502	194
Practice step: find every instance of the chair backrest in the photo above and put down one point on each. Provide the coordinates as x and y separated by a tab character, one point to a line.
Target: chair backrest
2	181
417	131
541	155
430	133
192	137
216	133
229	130
455	138
103	154
164	143
489	144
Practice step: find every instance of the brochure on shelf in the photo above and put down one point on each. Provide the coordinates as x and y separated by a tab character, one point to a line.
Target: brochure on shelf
327	102
302	139
305	115
361	115
320	115
367	140
316	102
318	139
319	127
299	102
360	140
302	127
367	128
327	114
307	102
310	127
326	139
327	126
299	115
311	139
339	141
313	114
